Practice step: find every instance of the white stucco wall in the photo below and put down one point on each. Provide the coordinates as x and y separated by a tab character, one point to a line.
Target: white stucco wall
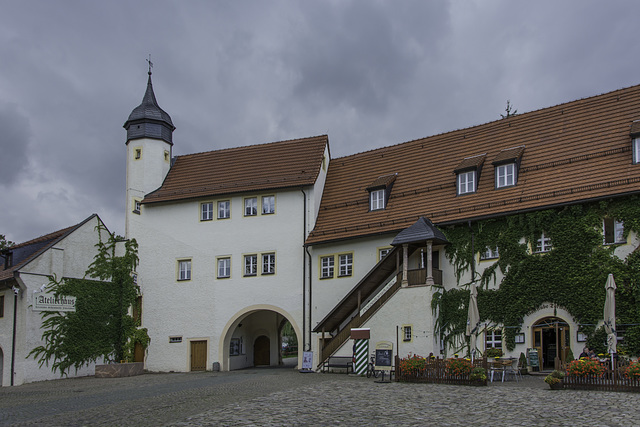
72	255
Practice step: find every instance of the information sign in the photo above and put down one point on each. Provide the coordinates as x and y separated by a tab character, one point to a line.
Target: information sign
49	302
384	356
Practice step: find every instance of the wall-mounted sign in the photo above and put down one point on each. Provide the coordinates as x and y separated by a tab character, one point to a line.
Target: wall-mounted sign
49	302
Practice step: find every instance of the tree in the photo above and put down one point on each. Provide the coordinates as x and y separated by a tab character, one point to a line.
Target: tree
101	327
508	111
4	243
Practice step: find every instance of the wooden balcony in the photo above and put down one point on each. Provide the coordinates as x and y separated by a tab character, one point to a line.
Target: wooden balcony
418	277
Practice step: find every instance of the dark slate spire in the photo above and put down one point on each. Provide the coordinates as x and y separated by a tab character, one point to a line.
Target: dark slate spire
148	120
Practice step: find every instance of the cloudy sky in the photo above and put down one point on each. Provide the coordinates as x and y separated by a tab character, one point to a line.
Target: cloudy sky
367	73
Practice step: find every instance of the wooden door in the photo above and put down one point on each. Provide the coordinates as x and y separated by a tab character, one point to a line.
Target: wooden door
262	351
138	353
537	344
198	355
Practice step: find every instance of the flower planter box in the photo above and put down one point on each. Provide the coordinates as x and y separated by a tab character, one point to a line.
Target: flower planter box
118	370
556	386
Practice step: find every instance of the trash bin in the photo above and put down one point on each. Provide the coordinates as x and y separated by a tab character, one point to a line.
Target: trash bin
216	366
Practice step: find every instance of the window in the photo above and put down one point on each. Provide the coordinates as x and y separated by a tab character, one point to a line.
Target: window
377	199
407	333
613	232
175	340
493	338
346	264
490	253
184	269
136	206
224	209
505	175
268	263
1	306
224	268
326	267
543	244
250	206
268	205
137	154
383	252
636	150
467	182
206	211
250	265
167	157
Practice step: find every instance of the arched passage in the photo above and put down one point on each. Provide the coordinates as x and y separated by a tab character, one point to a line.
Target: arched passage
238	340
552	338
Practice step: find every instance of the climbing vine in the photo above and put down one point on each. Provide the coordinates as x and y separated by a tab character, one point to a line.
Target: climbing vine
101	328
570	276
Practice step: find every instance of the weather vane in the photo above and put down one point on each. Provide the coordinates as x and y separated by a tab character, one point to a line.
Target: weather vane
150	64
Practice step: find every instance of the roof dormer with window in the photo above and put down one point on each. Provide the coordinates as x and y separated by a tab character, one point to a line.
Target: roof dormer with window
635	142
507	165
379	192
468	174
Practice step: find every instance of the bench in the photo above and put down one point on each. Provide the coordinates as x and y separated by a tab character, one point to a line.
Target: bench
343	362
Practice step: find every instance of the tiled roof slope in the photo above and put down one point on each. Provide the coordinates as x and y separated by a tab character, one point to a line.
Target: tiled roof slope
252	168
25	252
573	152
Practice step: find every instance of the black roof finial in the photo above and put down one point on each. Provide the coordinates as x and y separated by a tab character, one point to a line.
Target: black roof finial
150	64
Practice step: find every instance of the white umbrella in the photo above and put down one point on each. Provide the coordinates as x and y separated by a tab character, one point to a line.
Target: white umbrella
473	319
610	314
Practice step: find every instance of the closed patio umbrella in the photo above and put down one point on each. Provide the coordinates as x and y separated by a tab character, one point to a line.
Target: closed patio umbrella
610	314
473	319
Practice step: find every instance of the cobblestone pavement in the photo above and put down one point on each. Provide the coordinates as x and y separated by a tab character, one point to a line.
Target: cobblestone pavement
284	397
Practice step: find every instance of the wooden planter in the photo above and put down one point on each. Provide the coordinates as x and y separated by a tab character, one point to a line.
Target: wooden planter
118	370
556	386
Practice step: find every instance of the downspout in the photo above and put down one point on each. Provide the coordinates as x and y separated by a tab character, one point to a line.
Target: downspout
16	291
304	271
473	254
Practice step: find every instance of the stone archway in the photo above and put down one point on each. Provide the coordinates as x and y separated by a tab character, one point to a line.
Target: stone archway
236	348
552	338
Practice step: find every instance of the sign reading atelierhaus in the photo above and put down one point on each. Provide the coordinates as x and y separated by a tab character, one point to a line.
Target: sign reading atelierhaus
49	302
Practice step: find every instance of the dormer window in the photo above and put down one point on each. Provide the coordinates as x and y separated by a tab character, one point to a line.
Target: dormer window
379	192
377	200
468	173
506	164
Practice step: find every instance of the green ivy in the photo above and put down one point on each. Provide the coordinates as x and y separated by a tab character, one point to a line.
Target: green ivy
571	276
101	327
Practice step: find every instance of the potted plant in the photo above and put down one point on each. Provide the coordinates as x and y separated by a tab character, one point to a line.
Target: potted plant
478	376
523	364
554	379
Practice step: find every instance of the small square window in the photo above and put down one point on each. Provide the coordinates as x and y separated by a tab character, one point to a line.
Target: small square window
175	340
407	333
184	269
224	268
137	206
326	267
490	253
250	265
543	244
467	182
268	263
268	205
206	211
613	232
506	175
224	209
251	206
346	264
377	199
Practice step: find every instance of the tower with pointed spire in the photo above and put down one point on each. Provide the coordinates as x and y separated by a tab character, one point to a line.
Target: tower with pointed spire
149	150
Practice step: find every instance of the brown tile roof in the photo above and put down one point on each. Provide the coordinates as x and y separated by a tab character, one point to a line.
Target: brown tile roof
574	152
473	162
509	155
382	181
27	251
269	166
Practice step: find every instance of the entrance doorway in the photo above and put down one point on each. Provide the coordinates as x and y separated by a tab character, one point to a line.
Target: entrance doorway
262	351
198	355
552	338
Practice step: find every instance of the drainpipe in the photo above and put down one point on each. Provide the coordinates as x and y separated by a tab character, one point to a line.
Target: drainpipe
473	252
16	291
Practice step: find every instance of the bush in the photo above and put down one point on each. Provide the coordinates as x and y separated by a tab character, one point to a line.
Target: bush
554	377
458	367
478	374
413	364
493	352
633	370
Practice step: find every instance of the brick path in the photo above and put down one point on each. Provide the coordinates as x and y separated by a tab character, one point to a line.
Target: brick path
276	397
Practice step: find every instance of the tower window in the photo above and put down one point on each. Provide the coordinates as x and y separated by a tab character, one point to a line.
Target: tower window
137	153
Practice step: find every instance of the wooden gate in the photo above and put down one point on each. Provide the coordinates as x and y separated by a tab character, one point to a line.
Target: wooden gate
262	351
198	355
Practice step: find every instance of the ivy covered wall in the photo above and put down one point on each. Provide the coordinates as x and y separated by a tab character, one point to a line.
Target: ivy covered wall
572	275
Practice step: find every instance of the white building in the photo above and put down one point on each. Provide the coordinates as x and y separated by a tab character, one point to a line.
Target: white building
25	269
235	242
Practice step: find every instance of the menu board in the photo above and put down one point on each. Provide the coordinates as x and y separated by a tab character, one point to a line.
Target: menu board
384	356
532	356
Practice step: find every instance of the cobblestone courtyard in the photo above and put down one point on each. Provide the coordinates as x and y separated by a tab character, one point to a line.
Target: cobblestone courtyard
282	397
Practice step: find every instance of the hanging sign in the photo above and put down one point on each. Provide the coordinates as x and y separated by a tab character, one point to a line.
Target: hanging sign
49	302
